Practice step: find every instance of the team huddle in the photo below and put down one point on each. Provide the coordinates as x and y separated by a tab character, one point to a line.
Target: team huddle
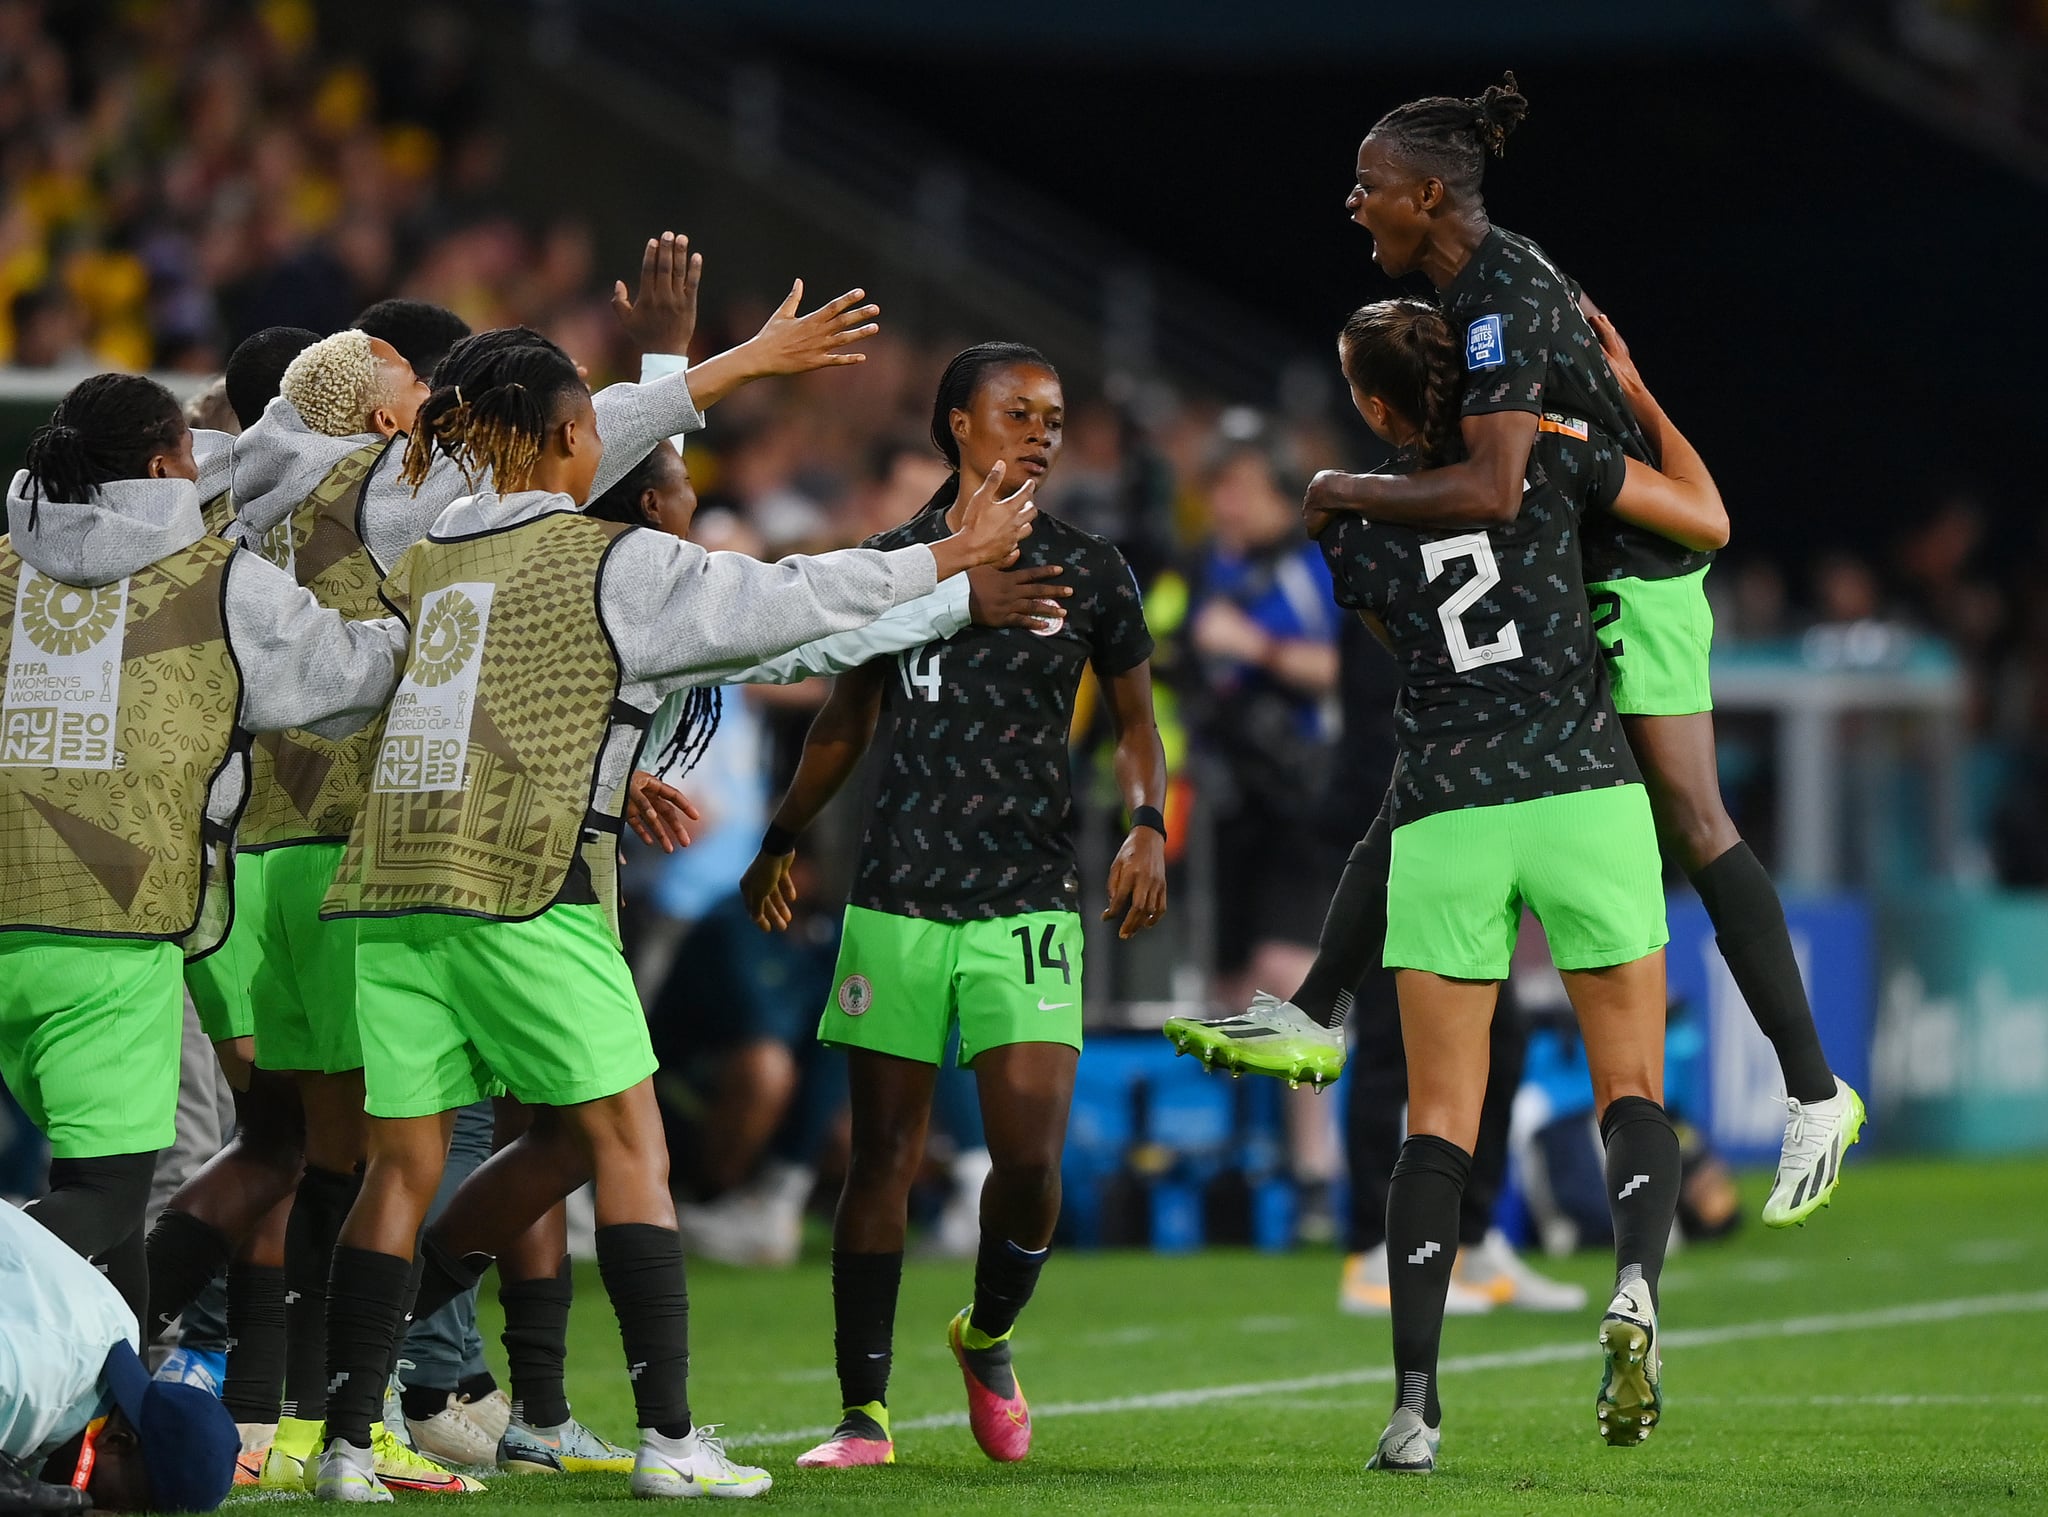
336	724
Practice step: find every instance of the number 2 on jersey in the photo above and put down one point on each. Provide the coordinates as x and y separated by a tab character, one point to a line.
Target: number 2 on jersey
1045	958
916	678
1478	547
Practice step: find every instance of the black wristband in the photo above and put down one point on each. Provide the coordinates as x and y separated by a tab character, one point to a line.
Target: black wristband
1148	816
779	839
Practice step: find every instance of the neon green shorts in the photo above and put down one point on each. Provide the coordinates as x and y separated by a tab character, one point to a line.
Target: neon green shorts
304	981
1586	864
220	982
456	1008
89	1036
903	981
1657	635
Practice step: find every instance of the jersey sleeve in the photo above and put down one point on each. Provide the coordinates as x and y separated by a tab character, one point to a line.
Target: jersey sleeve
1342	543
1121	640
1505	343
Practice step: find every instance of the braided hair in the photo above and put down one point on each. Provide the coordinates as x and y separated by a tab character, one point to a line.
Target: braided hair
494	396
1403	352
1449	139
964	377
106	427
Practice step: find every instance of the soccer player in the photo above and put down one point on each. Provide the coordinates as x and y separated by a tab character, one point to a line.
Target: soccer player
1514	787
1529	350
965	902
485	855
142	654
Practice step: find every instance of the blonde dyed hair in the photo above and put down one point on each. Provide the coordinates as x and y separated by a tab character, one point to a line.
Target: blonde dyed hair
335	384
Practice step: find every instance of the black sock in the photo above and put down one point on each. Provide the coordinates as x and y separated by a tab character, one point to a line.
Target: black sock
864	1288
1354	931
365	1303
1643	1172
536	1340
407	1316
1749	926
318	1210
476	1387
1422	1241
443	1276
642	1266
184	1254
1005	1275
97	1207
424	1401
255	1382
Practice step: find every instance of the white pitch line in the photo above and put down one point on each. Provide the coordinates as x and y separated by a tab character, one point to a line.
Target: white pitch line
1908	1315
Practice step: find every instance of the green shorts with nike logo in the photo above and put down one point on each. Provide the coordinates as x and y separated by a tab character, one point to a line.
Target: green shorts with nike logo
902	982
1585	863
1657	635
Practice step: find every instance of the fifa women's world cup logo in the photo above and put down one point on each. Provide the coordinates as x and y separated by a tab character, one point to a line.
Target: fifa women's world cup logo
448	638
63	695
66	619
426	731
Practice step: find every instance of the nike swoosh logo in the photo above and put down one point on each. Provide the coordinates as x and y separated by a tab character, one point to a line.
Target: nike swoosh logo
1045	1005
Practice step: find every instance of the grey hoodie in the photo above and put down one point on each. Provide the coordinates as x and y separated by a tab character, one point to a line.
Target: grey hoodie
302	665
280	460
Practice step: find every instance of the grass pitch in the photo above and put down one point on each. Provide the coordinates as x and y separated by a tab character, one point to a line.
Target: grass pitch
1890	1356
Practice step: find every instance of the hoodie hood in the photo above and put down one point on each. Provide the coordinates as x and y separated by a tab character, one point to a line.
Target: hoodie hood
128	525
279	462
487	511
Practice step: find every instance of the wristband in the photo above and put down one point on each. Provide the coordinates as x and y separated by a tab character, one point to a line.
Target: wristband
778	839
1148	816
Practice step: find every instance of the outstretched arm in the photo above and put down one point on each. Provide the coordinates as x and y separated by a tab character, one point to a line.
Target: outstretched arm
839	736
1484	489
1137	880
1679	501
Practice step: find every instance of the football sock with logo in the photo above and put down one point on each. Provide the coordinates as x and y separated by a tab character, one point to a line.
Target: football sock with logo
318	1210
365	1304
1749	927
184	1253
642	1266
1005	1275
407	1317
864	1289
536	1341
255	1381
1354	930
1643	1174
1422	1243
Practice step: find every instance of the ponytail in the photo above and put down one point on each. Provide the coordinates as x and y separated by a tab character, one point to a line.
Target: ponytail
493	398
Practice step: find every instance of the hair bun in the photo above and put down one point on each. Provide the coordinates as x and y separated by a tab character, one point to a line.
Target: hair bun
1497	111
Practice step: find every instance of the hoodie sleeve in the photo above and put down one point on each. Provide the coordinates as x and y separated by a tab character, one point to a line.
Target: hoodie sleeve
680	616
928	619
214	452
633	418
302	664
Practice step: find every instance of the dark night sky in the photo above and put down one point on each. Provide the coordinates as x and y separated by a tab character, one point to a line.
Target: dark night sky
1833	300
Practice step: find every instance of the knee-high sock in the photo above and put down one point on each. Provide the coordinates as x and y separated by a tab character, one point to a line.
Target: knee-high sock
1005	1275
255	1384
642	1266
1422	1241
1643	1173
1749	926
318	1210
365	1302
864	1290
536	1342
97	1206
1354	930
184	1253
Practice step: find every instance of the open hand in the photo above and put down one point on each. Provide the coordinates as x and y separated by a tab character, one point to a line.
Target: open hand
1017	597
768	890
793	344
662	318
991	526
659	812
1137	883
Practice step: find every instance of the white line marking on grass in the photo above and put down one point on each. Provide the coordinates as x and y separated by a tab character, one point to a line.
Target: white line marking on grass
1908	1315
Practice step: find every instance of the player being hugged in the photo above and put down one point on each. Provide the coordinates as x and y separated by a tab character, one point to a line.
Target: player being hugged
1514	787
966	901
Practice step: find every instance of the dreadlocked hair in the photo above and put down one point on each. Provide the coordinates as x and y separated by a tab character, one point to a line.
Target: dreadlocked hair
964	376
1450	138
703	705
1403	352
494	396
105	428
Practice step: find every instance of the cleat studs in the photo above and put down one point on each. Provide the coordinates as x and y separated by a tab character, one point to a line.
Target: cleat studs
1294	1085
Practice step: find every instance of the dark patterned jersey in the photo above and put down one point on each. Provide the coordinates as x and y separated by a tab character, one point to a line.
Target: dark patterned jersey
974	805
1504	694
1528	347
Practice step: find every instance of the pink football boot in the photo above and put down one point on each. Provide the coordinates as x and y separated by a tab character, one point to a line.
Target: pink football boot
862	1438
996	1412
